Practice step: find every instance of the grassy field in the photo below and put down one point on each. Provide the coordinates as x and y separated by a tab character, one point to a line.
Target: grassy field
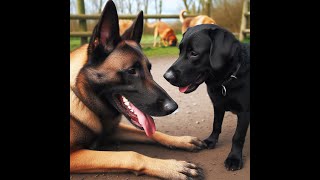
147	42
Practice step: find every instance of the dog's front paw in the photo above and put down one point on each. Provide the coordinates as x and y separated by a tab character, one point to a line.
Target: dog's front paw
173	169
188	143
211	142
233	163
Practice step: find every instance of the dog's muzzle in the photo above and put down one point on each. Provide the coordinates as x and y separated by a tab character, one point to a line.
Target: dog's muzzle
170	76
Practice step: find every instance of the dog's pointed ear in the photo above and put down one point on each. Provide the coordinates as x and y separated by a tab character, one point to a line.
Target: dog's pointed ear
223	47
135	31
106	32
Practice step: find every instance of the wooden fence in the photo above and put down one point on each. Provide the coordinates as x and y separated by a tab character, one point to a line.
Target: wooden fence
97	16
84	34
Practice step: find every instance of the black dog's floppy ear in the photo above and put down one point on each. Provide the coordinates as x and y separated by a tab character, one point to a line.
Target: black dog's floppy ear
223	47
106	32
135	31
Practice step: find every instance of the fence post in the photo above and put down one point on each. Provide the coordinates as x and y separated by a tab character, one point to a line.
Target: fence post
243	25
82	22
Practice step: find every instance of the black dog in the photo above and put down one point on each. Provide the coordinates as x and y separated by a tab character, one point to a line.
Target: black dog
211	54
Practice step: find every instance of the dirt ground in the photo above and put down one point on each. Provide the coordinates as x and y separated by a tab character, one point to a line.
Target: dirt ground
194	118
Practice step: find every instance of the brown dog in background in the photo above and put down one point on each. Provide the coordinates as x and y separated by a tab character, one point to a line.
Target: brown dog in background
166	33
193	21
110	77
124	25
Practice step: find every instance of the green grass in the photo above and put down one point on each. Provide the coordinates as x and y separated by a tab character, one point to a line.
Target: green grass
147	42
74	43
148	39
160	51
246	40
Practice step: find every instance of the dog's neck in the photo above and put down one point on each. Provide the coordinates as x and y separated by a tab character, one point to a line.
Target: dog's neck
229	79
85	93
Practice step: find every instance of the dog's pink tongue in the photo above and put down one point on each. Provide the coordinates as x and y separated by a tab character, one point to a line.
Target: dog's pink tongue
183	89
145	120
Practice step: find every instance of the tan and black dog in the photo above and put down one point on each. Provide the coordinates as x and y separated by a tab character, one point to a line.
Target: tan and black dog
166	33
193	21
110	77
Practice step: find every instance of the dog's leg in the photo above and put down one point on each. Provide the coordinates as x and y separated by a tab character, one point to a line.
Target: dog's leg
162	41
234	160
130	134
217	124
88	161
188	143
165	43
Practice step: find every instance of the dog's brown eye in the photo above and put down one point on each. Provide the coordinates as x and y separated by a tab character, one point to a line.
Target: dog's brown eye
132	71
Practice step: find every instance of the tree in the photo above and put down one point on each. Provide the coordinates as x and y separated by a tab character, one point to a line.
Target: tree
120	4
160	7
156	6
82	23
100	7
146	4
139	4
187	3
129	6
206	6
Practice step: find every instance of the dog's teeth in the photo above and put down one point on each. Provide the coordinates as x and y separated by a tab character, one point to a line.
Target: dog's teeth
126	103
124	99
131	110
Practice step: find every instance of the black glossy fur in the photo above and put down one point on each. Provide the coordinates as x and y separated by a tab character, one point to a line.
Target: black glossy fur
211	54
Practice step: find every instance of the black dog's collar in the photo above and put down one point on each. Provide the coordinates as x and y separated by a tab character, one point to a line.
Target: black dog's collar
227	81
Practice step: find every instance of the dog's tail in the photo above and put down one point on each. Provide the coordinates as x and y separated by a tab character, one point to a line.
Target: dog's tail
151	25
181	17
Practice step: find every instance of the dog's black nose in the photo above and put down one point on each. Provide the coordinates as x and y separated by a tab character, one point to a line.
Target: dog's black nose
170	76
169	106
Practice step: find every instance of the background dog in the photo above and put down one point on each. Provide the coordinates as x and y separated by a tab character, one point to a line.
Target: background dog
166	33
124	25
211	54
193	21
110	77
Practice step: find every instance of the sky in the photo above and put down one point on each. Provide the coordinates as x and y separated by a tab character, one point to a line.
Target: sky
168	7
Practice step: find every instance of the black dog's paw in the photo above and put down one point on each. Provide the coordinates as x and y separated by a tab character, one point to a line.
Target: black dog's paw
211	142
233	163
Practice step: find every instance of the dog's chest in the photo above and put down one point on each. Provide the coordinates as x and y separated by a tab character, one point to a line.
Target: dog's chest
229	101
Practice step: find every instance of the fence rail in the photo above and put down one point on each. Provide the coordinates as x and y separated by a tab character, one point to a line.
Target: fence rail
147	16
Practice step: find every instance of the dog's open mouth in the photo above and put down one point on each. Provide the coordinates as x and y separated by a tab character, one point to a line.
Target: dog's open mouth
194	85
135	116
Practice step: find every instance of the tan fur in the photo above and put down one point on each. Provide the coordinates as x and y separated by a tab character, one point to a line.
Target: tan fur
164	31
190	22
77	109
